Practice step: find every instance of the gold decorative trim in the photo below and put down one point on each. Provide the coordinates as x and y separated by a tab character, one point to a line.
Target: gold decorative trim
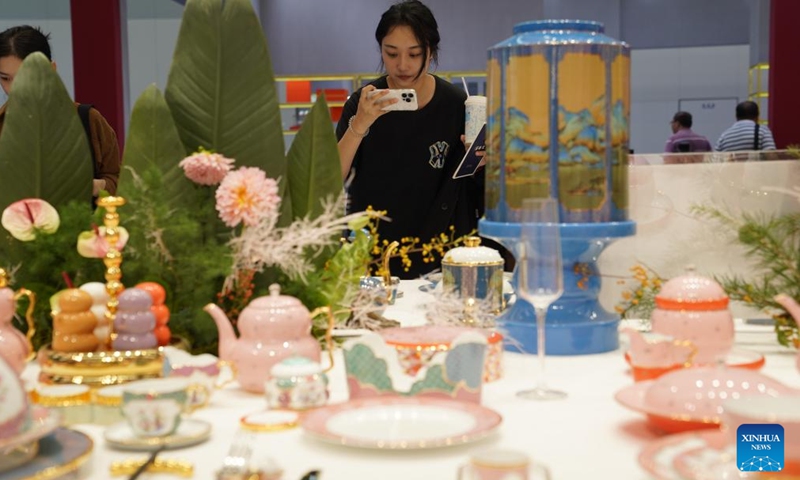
493	263
83	398
56	369
93	380
107	400
61	402
101	359
100	368
269	427
438	347
176	467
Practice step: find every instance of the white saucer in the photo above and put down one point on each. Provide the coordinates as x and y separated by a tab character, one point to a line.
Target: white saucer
709	463
43	422
400	423
696	455
190	432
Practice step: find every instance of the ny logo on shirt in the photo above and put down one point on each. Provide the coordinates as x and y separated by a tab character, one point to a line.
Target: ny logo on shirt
438	154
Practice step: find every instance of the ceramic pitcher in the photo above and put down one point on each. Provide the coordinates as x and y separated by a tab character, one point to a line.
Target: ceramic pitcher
15	347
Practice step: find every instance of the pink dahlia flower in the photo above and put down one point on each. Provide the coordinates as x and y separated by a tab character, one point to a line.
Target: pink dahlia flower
246	195
206	168
25	218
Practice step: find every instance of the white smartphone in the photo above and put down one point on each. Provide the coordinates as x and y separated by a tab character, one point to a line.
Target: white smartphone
407	98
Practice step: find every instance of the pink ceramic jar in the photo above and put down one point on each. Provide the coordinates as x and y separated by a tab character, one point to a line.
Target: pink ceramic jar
695	308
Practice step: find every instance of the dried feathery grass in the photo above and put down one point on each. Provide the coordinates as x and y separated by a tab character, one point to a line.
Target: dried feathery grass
290	248
366	310
154	233
450	308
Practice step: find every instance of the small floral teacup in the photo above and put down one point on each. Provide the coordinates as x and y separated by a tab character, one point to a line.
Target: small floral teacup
297	383
153	408
502	465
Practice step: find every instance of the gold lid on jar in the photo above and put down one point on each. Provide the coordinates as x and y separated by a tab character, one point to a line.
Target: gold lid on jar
472	254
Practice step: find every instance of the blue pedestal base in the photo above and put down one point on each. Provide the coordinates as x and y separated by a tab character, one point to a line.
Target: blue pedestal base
576	324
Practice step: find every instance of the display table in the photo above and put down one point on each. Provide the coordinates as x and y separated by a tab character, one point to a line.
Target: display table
588	435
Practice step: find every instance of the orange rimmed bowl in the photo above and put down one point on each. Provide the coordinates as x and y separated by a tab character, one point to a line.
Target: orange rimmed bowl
692	398
736	358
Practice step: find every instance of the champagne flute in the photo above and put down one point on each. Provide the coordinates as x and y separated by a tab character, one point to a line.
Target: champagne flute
541	279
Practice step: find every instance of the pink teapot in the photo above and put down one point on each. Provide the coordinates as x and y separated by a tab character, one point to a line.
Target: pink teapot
272	328
695	308
15	347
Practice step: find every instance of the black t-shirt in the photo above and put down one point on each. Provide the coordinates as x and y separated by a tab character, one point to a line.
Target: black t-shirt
405	166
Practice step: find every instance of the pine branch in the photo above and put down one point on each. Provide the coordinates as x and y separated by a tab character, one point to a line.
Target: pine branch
773	243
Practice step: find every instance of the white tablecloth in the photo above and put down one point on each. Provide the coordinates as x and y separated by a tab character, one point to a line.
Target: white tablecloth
588	435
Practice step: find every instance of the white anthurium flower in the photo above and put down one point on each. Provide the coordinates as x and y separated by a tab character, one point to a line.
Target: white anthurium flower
26	218
93	244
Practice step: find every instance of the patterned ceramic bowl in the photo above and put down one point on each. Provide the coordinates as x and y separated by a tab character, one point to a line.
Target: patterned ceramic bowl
693	398
417	345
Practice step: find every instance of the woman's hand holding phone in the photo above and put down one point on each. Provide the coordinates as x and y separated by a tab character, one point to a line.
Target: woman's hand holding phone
370	107
400	99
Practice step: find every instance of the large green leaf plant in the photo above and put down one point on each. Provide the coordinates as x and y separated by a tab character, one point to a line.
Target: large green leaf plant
44	154
221	96
43	148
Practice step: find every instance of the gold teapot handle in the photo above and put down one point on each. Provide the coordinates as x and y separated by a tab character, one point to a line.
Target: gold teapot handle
328	332
387	274
234	372
24	292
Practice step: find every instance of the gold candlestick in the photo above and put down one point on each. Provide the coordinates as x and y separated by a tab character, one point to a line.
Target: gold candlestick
113	259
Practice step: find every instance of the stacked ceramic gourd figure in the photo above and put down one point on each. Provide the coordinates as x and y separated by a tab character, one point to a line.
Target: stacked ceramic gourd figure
74	323
160	311
80	323
134	322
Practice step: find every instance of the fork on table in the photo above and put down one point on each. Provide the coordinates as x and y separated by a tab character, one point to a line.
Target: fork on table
236	465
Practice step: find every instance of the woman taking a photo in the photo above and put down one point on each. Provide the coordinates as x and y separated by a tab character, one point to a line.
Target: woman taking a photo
403	161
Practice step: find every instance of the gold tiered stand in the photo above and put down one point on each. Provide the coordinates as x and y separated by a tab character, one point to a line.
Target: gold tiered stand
113	259
107	367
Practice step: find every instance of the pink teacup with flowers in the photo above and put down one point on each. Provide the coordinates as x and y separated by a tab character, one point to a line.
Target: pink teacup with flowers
153	407
205	373
502	465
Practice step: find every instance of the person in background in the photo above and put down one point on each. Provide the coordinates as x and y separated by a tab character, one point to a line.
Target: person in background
746	133
683	139
403	161
16	44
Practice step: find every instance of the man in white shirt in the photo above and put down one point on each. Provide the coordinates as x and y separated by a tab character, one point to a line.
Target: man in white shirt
746	133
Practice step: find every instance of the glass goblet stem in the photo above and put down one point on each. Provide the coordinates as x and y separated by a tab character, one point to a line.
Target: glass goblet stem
540	316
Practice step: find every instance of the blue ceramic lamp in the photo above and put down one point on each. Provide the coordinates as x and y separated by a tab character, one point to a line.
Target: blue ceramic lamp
558	126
